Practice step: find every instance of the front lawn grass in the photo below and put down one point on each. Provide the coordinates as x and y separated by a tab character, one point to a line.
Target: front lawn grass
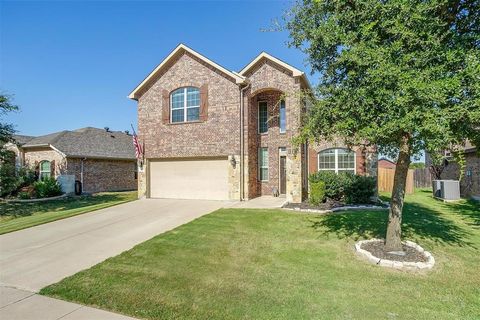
274	264
15	215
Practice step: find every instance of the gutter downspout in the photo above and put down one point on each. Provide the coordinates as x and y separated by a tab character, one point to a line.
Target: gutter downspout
242	143
81	172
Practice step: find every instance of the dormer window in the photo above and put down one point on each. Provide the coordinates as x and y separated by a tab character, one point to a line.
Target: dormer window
185	104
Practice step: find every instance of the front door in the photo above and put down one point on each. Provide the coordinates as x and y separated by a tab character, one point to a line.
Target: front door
283	174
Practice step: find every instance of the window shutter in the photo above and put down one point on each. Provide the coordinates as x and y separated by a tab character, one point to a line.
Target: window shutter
52	168
203	102
165	107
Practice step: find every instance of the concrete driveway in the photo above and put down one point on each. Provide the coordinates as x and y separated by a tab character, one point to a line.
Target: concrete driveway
33	258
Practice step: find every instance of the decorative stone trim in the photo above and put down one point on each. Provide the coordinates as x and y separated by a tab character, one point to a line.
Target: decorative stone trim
401	265
38	200
339	209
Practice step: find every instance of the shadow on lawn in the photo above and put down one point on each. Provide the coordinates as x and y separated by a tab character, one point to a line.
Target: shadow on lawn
419	222
469	211
17	209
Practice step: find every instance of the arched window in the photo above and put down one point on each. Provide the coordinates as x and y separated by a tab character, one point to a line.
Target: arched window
337	160
45	170
185	104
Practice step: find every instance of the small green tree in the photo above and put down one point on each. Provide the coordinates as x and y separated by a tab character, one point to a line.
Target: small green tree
7	160
401	75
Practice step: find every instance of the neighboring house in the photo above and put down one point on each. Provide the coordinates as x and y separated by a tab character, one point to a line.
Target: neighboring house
15	147
102	160
470	181
211	133
387	164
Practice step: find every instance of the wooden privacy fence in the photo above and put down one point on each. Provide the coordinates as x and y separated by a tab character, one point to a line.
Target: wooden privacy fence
422	178
385	180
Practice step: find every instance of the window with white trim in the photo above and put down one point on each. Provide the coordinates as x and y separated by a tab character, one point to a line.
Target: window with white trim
262	117
337	160
263	164
185	105
283	117
45	170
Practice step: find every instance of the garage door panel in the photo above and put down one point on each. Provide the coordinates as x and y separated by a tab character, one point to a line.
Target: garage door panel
195	179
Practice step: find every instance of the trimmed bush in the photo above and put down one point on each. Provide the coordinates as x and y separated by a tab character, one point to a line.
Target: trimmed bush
360	190
334	183
317	193
48	187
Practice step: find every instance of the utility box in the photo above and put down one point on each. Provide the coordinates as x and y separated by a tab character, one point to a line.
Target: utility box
448	190
67	183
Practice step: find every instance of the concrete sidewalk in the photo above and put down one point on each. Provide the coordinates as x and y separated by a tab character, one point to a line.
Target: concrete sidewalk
18	304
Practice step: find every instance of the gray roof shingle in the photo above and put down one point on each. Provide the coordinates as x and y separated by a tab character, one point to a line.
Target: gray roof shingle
21	139
89	143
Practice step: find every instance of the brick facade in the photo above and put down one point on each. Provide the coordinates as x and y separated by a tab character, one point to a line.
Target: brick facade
219	135
365	158
470	181
104	175
270	83
99	174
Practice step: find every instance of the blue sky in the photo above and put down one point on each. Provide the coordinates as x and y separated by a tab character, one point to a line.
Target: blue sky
72	64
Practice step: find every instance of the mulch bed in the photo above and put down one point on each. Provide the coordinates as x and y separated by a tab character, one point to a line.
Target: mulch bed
327	205
377	249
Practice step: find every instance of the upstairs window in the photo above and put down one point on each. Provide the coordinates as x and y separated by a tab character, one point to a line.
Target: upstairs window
185	104
45	170
337	160
262	117
283	117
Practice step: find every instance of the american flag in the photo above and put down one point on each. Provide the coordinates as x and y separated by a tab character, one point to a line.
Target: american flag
137	145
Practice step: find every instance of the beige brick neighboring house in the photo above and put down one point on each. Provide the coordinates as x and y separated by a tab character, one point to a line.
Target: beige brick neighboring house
211	133
102	160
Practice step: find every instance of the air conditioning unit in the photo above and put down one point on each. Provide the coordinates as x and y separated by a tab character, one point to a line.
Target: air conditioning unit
448	190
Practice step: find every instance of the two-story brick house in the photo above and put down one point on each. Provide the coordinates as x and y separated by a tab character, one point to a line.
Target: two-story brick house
211	133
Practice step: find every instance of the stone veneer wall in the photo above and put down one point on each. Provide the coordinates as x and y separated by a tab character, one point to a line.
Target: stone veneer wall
104	175
470	181
218	136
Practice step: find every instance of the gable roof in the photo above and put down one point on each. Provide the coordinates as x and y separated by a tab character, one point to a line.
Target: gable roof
87	143
263	55
183	48
21	139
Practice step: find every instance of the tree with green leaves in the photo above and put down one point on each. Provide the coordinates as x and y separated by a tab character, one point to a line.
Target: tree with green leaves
403	76
8	180
6	129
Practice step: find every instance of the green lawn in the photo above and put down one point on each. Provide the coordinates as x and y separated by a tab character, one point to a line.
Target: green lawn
273	264
16	216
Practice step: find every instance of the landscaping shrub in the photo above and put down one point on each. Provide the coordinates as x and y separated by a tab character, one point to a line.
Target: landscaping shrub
360	190
48	187
335	184
8	178
24	195
317	193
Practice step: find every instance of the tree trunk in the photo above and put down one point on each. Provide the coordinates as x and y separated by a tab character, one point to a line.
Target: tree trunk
393	241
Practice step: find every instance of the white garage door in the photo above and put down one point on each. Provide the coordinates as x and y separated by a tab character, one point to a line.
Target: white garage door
189	179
